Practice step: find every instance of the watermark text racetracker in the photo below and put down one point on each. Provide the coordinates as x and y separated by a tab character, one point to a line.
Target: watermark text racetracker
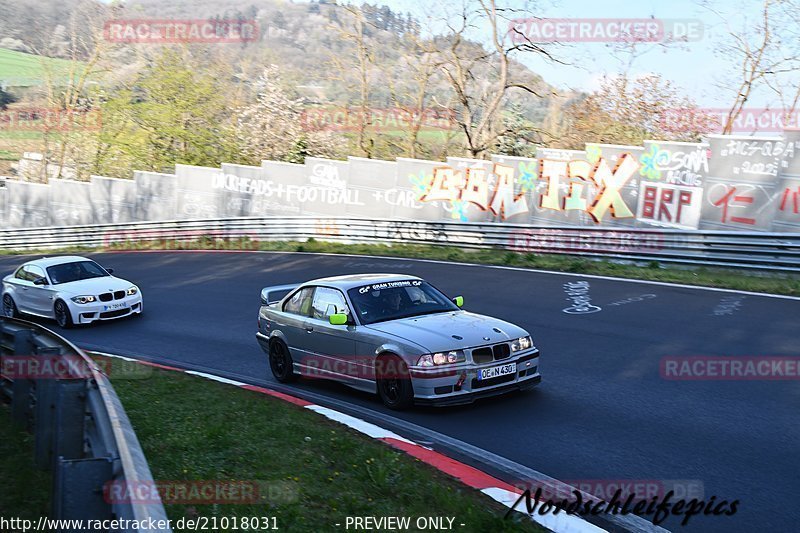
601	30
721	368
163	31
68	367
377	119
50	119
201	492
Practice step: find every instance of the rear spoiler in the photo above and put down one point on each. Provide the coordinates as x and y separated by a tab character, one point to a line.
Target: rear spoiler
270	295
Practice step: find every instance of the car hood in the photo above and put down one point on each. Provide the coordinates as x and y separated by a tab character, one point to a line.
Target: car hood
439	332
93	286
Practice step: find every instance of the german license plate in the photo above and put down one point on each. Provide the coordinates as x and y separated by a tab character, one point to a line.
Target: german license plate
496	371
115	306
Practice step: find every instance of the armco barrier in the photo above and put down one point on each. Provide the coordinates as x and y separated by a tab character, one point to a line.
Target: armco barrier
764	251
82	433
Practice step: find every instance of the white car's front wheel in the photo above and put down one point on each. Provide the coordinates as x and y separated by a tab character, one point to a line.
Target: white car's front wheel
62	314
9	307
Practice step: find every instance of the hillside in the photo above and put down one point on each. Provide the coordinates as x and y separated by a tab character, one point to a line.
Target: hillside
305	39
18	69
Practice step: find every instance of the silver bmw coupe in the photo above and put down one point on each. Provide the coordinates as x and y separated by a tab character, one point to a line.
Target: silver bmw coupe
393	334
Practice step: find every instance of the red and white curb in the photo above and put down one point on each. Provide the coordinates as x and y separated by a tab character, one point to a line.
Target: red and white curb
492	487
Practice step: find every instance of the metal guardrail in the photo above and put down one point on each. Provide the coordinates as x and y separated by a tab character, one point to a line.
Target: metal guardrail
754	250
81	431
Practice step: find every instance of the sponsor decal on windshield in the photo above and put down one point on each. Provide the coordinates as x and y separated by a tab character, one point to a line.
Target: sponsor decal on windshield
389	285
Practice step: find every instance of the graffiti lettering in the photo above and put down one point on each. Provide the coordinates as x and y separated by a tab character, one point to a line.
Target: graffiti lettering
728	199
666	204
504	203
610	184
795	200
578	293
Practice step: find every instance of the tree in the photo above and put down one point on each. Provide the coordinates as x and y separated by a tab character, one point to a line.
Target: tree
276	127
412	96
481	76
362	61
628	111
178	109
767	54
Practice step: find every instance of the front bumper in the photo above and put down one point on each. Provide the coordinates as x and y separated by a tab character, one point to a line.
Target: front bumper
461	385
88	313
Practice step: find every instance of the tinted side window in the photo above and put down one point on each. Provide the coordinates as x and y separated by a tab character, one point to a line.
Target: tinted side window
34	272
300	302
20	274
327	302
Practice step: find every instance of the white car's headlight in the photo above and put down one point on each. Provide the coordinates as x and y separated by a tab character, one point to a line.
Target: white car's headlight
523	343
83	299
132	291
442	358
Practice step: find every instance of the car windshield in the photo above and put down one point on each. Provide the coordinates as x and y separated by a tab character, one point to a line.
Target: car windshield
75	271
392	300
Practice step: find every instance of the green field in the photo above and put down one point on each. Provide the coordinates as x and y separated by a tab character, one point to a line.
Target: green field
18	69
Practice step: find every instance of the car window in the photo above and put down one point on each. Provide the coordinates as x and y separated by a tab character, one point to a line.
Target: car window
21	274
33	272
300	302
328	301
75	271
393	300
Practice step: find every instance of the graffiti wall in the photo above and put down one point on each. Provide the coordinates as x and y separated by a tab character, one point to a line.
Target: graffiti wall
724	183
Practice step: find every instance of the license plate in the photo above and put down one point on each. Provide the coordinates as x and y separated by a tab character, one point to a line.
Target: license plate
496	371
115	306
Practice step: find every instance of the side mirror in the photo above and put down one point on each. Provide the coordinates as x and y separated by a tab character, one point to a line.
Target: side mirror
110	270
459	301
338	319
40	281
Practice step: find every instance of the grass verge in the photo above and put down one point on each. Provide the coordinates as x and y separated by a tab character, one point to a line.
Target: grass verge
25	491
316	472
755	281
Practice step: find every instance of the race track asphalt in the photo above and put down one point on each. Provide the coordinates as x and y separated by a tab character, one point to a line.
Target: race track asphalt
602	412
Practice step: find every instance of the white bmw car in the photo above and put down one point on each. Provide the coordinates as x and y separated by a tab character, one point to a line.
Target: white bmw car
71	289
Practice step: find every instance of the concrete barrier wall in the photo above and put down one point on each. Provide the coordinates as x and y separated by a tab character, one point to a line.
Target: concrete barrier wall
724	183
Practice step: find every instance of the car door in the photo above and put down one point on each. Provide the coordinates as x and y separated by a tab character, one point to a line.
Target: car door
292	321
21	290
40	297
334	347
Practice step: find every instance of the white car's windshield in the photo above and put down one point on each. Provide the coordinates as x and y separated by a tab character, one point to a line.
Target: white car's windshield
380	302
75	271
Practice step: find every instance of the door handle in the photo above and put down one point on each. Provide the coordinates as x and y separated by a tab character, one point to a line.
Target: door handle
309	329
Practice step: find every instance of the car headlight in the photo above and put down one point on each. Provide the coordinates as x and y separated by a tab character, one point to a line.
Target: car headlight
132	291
442	358
523	343
83	299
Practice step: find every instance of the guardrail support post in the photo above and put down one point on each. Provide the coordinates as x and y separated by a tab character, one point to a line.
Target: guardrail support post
21	388
70	418
78	489
45	415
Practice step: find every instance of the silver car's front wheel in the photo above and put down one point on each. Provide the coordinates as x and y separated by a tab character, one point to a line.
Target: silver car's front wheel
9	307
394	382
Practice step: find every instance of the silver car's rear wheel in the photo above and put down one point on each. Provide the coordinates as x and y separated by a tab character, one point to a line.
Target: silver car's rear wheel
9	307
394	383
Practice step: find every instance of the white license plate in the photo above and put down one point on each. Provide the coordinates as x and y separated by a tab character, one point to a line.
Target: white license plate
496	371
115	306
